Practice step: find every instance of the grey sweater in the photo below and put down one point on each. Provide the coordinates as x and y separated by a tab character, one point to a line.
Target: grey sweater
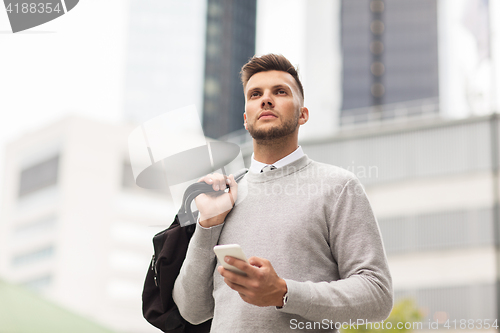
315	225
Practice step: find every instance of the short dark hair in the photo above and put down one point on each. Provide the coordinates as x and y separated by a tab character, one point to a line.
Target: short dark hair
269	62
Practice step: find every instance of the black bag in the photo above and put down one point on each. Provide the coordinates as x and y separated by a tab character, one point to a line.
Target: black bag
158	306
170	247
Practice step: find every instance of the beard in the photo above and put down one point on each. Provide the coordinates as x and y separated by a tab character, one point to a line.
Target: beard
275	132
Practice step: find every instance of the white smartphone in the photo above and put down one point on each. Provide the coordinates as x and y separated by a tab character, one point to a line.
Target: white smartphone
232	250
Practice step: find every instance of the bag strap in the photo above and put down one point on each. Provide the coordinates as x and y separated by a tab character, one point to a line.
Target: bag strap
185	215
170	248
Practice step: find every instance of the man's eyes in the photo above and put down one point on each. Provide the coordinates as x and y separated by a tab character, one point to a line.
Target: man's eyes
257	93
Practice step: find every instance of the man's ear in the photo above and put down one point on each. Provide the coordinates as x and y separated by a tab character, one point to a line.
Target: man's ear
304	115
245	120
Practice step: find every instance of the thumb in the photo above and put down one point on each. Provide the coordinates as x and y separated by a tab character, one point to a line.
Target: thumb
233	189
256	261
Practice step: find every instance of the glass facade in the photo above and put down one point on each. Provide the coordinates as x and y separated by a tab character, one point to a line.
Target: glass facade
164	64
230	43
39	176
390	56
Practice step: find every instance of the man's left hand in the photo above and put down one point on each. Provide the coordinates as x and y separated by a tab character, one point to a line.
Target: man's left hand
261	286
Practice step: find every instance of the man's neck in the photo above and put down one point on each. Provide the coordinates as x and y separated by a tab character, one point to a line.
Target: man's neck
270	151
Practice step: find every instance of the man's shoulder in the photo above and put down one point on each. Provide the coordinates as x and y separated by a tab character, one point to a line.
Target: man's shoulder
329	172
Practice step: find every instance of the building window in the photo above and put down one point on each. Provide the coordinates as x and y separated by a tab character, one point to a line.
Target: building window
39	282
39	176
35	228
33	256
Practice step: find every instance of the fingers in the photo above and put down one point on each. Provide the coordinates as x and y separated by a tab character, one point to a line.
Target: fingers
232	277
217	180
233	189
261	286
239	288
240	264
258	262
216	205
231	283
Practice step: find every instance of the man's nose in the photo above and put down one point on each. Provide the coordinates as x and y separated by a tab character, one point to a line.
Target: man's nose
267	101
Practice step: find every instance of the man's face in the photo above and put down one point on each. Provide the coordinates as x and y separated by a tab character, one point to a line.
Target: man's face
273	105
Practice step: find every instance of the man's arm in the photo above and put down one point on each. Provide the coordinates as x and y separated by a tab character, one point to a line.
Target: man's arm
193	287
365	288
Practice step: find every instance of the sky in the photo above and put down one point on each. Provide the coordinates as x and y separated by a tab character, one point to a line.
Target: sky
71	65
75	65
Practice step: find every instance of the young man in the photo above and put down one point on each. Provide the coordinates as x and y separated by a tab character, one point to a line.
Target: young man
316	252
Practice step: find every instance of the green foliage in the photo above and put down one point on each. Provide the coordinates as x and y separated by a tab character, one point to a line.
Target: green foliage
405	311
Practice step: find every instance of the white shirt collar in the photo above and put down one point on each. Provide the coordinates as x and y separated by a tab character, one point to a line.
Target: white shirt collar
256	166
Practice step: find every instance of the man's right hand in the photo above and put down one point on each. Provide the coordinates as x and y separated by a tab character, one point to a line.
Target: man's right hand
215	206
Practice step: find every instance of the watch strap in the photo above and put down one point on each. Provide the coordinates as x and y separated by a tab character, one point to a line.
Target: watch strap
285	300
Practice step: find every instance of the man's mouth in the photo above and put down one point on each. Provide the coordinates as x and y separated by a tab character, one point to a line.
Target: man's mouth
267	115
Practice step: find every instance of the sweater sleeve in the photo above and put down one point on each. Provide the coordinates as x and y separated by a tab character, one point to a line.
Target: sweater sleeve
193	287
364	290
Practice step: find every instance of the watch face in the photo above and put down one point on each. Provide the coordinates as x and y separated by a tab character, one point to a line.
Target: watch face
285	299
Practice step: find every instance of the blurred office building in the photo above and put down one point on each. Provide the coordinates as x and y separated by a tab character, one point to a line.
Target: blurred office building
390	56
308	34
75	227
189	52
365	62
405	61
434	188
436	195
414	58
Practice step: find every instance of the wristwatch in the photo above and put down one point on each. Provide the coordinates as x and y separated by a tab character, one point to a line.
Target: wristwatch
285	300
